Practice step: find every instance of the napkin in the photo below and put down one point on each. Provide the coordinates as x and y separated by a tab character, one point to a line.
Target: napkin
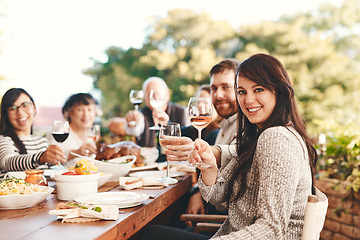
129	183
87	213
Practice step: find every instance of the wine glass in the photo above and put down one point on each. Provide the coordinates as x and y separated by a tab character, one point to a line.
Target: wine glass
200	113
94	133
136	98
157	100
168	130
60	131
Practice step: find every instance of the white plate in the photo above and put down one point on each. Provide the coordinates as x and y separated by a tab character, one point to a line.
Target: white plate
146	167
24	201
145	174
121	199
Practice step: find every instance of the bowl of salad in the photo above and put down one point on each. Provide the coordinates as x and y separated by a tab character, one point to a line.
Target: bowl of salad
15	193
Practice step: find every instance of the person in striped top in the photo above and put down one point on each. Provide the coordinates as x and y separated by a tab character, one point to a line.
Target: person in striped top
19	149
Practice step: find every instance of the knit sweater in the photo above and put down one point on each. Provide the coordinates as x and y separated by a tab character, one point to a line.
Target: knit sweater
12	160
279	183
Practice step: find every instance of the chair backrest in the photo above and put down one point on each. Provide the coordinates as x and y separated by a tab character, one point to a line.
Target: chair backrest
315	212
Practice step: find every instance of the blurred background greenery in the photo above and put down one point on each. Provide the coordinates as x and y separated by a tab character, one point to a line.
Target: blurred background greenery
320	49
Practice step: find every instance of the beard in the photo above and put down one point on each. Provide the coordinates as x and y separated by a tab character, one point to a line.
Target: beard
226	109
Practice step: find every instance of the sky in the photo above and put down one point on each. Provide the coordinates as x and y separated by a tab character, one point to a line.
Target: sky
46	44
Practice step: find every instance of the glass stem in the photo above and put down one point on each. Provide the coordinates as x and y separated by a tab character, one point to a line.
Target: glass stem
136	107
199	133
167	168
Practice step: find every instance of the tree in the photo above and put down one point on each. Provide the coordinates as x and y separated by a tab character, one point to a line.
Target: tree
180	48
321	51
321	54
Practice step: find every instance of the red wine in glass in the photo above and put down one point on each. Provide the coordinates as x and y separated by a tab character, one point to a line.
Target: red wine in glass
60	131
60	137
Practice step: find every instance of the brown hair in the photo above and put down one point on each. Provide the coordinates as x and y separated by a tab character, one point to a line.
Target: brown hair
268	72
227	64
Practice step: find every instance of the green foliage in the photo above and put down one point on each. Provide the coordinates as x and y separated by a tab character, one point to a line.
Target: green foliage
342	158
321	51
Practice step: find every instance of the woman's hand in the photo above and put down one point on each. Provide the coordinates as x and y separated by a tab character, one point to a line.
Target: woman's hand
203	152
179	148
53	154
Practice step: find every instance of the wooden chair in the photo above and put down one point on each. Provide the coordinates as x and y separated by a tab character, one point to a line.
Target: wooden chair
314	219
204	222
315	212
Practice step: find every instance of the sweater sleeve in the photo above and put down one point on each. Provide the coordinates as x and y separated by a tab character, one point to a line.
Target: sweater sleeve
11	160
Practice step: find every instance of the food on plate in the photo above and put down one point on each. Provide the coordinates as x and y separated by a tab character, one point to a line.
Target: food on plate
82	167
89	165
124	148
132	182
69	173
17	186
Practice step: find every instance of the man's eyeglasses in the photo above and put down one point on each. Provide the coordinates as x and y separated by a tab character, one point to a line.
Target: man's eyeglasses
25	106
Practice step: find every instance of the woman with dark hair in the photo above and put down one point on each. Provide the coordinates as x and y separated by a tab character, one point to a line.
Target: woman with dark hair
80	110
19	149
267	181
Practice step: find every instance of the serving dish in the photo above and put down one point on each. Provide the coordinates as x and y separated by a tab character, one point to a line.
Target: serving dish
119	169
24	201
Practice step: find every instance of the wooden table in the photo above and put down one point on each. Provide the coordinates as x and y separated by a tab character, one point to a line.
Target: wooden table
37	223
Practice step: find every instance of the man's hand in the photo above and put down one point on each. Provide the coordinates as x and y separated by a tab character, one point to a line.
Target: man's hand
160	116
132	118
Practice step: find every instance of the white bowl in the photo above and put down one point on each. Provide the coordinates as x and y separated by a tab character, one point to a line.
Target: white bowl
117	169
25	201
104	177
71	186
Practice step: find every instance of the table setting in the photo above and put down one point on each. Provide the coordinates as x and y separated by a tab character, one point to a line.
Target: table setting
87	189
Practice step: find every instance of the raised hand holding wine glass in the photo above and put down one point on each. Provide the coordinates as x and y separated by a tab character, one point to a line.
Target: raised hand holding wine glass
136	98
200	113
60	131
157	100
167	132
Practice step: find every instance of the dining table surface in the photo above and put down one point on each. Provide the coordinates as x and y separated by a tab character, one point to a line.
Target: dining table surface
36	223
